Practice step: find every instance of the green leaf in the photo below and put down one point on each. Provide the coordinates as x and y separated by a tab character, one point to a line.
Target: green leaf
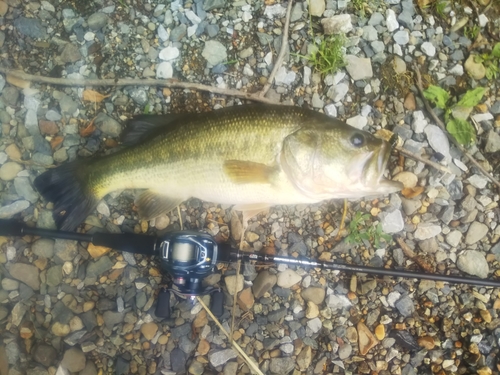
461	130
472	97
437	95
496	50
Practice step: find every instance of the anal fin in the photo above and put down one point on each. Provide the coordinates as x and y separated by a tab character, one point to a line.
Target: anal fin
151	204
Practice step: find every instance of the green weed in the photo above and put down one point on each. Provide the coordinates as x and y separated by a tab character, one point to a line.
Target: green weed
460	129
360	231
472	32
328	57
491	62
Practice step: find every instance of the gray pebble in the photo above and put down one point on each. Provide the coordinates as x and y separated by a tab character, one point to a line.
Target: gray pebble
31	27
97	21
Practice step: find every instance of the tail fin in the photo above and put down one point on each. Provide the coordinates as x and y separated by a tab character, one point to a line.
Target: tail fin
64	187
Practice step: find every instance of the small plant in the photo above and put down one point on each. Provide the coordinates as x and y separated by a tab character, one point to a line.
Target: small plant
491	61
472	32
460	129
359	232
147	109
329	55
440	7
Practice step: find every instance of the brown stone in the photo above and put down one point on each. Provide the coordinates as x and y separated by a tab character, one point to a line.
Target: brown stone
246	299
312	310
201	319
13	151
426	342
366	339
496	304
97	251
149	330
410	103
203	347
48	127
380	332
485	314
163	339
484	371
3	8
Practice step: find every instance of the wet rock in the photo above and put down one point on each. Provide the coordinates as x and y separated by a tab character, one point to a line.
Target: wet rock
9	170
45	355
97	21
263	283
477	231
108	125
314	294
31	27
27	274
281	365
74	360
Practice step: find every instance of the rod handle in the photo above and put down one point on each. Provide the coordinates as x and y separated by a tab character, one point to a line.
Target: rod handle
129	242
11	228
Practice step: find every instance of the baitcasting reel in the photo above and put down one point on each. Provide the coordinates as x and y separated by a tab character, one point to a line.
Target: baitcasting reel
190	256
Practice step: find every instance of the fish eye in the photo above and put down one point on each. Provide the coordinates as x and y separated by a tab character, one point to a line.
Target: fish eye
358	140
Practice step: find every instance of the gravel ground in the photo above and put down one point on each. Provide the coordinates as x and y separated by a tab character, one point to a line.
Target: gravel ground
68	307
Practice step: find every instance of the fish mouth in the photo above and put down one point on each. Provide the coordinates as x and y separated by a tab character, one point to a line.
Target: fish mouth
375	168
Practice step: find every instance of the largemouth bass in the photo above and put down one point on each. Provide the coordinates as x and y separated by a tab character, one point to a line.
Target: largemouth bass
249	156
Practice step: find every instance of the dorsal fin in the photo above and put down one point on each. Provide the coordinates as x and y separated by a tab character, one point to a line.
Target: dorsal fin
142	127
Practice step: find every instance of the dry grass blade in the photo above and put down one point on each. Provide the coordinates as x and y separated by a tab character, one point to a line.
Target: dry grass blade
253	366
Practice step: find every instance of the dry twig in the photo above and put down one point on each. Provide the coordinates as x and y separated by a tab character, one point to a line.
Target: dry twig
443	128
411	155
171	83
281	55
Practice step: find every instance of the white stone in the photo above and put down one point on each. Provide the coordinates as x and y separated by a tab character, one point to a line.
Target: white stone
359	122
393	222
331	110
89	36
163	34
169	53
438	140
285	78
402	37
478	181
483	20
307	75
164	70
457	70
391	20
426	231
428	48
275	11
192	17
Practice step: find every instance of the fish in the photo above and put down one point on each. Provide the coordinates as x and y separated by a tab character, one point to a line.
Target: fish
249	156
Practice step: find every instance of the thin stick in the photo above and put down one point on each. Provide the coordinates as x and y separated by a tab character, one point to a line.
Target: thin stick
137	82
443	128
342	221
281	55
421	159
247	359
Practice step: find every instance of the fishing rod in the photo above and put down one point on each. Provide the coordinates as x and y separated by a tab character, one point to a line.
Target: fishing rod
190	256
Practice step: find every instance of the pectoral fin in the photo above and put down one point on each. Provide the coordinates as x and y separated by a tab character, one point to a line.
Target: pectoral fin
151	204
247	172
